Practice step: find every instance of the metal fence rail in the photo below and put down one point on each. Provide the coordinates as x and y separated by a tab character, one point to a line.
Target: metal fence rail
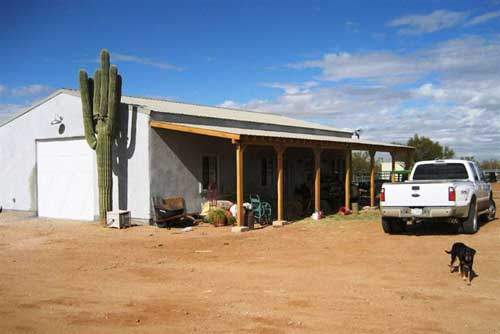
364	177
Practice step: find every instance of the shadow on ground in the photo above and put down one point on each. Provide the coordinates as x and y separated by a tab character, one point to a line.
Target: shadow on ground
438	228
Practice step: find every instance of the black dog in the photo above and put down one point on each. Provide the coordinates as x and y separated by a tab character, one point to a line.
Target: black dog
465	255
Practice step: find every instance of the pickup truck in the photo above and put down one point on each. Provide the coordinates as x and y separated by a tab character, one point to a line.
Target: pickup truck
451	190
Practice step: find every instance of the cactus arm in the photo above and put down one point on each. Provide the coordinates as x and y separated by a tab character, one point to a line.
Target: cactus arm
112	98
97	94
88	123
103	108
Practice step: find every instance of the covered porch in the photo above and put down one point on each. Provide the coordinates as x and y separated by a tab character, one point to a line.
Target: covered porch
290	158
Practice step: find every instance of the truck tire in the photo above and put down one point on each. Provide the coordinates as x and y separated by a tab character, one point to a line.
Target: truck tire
492	210
393	225
470	224
398	225
386	225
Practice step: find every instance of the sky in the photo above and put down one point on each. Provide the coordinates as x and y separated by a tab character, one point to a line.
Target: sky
390	68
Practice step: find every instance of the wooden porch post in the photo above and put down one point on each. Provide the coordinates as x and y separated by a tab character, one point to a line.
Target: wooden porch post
393	167
240	216
317	179
279	172
348	178
372	178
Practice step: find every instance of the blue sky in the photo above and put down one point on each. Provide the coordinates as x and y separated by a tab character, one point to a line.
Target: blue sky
392	68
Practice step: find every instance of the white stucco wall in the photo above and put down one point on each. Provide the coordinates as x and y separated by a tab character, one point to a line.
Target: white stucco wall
18	155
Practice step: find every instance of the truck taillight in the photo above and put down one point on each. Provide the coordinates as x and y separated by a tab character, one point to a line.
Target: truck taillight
382	195
452	196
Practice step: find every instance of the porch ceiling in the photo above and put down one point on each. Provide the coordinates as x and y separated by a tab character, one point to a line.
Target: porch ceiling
265	137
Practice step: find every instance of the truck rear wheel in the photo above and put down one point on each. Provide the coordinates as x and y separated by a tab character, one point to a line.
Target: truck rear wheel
393	225
386	225
470	224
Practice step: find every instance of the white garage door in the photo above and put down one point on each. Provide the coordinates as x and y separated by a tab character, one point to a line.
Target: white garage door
65	179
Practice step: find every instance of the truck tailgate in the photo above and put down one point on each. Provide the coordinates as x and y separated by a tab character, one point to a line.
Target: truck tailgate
417	194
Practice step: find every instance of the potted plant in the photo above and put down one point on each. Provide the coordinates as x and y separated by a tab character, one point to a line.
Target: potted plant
217	217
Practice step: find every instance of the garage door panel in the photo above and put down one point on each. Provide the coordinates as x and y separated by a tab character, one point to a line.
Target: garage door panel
65	179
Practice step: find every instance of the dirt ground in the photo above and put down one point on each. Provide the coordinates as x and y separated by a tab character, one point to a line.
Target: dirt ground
333	276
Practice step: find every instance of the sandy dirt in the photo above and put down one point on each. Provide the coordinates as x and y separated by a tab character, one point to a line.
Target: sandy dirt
333	276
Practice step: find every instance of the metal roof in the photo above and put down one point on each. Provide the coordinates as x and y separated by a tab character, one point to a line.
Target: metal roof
198	110
181	108
285	135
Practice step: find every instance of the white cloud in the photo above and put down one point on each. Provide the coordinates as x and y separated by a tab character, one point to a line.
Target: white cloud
30	90
145	61
483	18
451	94
369	66
418	24
422	24
293	88
33	90
471	55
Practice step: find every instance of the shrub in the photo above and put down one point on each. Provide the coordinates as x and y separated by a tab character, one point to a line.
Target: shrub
217	217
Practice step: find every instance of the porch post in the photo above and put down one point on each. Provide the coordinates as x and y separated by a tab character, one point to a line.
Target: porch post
240	216
348	178
372	178
393	167
317	179
279	166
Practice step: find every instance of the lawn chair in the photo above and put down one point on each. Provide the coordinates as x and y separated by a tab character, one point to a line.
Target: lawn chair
170	210
261	210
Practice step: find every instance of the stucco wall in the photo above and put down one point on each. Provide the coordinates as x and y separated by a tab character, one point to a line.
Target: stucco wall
176	165
18	155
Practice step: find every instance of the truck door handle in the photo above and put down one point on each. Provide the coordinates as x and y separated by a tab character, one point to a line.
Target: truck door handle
415	195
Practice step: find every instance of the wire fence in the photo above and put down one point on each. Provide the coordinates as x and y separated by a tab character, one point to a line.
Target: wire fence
364	177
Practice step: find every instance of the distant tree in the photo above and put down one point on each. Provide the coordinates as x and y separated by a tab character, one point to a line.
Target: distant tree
490	164
427	149
469	158
361	162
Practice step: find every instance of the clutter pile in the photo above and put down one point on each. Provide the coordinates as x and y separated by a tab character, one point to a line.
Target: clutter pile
344	211
317	215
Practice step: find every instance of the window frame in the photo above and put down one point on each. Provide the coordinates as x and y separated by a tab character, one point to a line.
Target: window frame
217	171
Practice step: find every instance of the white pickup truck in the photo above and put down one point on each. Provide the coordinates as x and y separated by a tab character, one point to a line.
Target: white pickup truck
452	190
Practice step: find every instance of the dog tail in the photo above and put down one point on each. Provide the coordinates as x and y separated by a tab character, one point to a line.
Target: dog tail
447	252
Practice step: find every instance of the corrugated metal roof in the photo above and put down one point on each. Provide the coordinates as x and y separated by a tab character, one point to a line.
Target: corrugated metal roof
182	108
289	135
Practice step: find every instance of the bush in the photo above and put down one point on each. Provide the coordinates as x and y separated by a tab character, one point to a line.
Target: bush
217	217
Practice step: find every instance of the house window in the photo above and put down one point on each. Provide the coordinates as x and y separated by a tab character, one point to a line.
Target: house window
210	171
266	171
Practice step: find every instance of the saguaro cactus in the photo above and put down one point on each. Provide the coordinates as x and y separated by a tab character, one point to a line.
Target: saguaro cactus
100	102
